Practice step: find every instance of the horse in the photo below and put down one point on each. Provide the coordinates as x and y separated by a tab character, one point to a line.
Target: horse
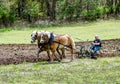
36	35
58	41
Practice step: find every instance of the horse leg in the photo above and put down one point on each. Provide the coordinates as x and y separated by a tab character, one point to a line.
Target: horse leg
53	54
48	53
72	55
38	54
51	58
59	54
63	53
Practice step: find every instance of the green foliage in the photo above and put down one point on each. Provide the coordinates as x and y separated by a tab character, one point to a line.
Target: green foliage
32	8
90	12
5	30
7	13
87	9
68	10
99	12
88	15
12	17
93	14
107	10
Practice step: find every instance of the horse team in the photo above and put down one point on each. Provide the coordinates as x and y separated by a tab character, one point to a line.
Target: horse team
50	42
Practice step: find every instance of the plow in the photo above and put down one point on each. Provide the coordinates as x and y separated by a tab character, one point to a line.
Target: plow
83	49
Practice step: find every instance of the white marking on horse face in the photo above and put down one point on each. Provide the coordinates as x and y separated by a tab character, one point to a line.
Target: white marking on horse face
33	36
42	40
40	34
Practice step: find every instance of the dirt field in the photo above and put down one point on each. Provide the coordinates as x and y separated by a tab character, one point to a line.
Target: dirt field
19	53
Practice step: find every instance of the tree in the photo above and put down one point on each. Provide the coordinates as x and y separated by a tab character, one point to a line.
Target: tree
51	12
32	10
7	12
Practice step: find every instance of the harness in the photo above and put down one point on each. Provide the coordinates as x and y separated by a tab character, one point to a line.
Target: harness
62	44
51	38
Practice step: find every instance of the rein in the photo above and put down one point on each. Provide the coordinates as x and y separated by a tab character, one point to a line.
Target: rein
43	44
62	44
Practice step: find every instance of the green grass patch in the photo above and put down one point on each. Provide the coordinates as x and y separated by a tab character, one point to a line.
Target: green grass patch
80	71
105	29
5	29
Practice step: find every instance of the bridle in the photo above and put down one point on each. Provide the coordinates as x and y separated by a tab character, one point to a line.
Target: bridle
34	38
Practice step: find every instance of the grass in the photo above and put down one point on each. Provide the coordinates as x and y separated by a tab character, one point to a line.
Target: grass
80	71
105	29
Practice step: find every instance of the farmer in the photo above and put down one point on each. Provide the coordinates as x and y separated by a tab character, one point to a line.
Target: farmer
96	46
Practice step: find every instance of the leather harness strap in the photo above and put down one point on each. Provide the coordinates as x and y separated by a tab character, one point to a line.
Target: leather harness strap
62	44
51	38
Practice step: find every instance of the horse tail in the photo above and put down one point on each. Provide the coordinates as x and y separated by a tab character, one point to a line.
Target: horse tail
72	43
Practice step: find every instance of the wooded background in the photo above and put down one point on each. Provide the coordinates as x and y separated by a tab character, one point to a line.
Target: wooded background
57	10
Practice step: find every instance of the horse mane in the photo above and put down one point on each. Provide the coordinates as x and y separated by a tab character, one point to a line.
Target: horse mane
41	32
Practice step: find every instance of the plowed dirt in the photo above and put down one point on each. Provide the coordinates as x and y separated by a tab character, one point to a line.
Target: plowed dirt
19	53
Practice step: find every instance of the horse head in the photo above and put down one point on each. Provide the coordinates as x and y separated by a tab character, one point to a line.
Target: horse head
47	37
34	36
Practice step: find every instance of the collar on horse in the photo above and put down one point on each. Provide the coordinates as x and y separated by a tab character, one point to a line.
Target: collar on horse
51	38
63	44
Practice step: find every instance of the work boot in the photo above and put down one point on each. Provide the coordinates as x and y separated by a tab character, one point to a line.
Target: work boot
93	56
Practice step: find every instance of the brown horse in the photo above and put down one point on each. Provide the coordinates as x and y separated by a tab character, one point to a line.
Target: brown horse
58	42
36	35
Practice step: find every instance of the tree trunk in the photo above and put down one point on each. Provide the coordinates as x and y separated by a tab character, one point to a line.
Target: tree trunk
53	10
51	5
5	21
21	6
116	5
119	6
111	7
